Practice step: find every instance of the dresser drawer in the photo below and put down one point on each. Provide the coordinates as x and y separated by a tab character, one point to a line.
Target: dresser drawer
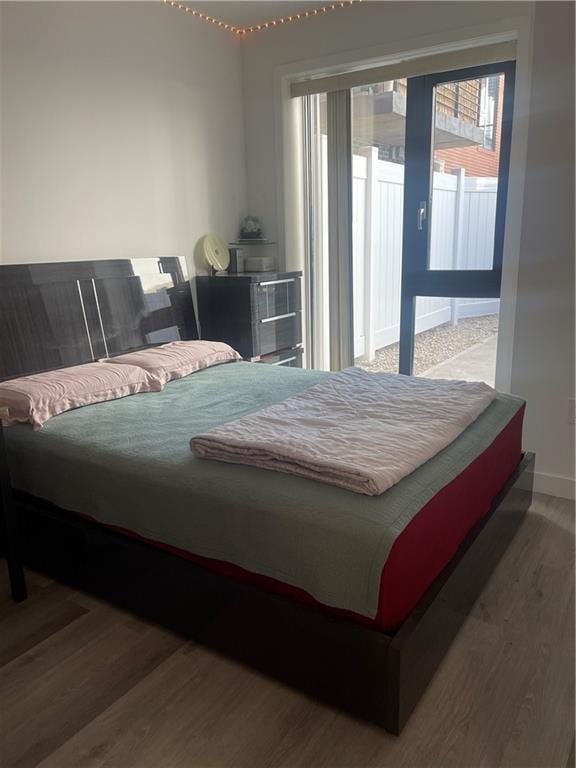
276	333
271	298
289	358
256	313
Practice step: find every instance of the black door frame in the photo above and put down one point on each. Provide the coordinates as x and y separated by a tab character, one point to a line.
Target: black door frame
417	278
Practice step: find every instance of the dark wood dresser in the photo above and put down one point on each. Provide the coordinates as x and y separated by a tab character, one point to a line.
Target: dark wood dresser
257	313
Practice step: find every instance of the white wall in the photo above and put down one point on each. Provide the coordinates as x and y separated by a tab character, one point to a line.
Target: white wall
537	307
122	131
543	359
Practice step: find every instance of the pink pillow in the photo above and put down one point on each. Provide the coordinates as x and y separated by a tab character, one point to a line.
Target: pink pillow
178	358
38	397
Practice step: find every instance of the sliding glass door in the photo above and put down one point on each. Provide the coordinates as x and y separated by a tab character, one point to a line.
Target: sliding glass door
406	195
354	191
378	144
455	195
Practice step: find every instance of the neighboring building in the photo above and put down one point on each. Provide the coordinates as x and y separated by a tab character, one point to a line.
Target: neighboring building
481	159
467	123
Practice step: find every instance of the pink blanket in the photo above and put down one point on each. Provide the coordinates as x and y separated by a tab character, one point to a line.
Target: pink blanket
360	431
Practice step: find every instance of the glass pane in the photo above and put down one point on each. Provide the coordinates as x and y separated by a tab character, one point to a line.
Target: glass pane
466	153
378	141
316	175
456	338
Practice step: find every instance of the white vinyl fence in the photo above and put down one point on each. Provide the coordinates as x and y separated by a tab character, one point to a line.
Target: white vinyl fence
462	237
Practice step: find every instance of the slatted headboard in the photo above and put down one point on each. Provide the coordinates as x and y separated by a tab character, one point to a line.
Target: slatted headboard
67	313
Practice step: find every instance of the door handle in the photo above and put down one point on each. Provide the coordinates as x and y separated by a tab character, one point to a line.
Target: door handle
421	215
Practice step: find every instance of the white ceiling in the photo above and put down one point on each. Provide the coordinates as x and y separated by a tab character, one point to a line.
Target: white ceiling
245	13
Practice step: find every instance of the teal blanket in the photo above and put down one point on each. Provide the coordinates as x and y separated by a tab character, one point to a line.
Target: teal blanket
128	463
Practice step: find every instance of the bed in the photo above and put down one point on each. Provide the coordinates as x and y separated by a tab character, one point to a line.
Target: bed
125	467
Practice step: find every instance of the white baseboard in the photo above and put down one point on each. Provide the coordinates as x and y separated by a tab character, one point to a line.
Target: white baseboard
553	485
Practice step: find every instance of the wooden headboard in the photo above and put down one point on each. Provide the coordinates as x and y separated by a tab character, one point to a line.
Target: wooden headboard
67	313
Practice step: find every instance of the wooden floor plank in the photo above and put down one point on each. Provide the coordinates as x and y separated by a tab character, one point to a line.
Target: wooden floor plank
163	712
86	685
43	715
571	762
33	621
45	658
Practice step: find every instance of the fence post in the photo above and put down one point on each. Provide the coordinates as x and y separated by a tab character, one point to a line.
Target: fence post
370	234
460	174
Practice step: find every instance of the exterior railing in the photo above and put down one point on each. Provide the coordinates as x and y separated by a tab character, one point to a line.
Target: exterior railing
461	99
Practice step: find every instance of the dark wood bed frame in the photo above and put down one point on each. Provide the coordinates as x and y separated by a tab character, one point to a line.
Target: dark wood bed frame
373	675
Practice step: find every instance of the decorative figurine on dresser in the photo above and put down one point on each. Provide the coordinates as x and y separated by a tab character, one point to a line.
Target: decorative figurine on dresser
258	312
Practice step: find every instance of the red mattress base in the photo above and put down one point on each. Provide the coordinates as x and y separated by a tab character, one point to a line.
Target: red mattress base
424	547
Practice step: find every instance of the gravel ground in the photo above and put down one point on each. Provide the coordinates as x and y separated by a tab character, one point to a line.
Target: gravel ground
436	345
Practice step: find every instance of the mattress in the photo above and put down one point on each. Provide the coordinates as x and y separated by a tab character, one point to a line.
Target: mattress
127	464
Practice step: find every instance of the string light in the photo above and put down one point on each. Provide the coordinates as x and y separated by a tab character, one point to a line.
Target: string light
242	31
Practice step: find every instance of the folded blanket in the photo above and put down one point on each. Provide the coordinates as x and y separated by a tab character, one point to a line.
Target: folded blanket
357	430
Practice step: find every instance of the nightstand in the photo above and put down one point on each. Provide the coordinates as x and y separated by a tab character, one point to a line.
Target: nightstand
257	313
9	522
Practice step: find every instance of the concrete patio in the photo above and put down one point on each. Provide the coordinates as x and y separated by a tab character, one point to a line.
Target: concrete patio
478	363
464	351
